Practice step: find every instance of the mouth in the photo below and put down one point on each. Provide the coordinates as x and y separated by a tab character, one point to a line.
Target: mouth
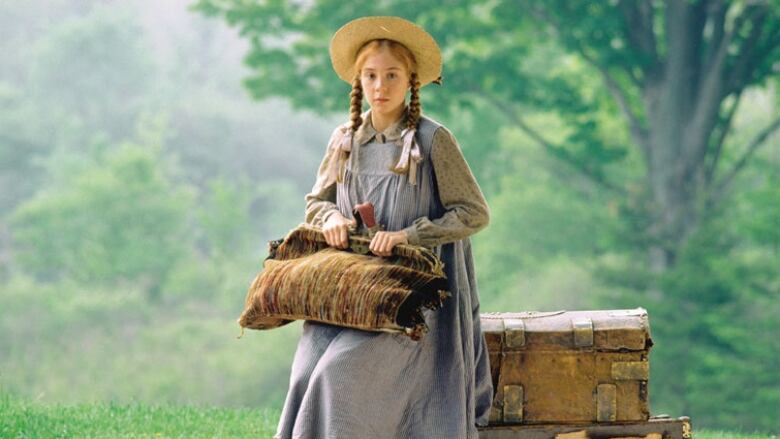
380	100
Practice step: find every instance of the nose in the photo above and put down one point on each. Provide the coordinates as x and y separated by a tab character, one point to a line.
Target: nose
379	84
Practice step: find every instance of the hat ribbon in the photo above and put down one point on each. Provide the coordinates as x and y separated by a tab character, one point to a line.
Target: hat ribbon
340	146
343	149
410	153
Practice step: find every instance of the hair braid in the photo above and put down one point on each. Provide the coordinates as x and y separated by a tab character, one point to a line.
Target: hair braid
356	104
415	107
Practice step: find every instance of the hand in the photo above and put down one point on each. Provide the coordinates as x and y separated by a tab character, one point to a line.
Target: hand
383	242
336	230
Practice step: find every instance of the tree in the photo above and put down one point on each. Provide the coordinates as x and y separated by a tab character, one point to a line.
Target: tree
106	64
117	217
678	85
64	83
676	70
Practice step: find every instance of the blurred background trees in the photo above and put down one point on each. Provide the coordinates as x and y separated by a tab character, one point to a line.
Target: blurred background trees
628	150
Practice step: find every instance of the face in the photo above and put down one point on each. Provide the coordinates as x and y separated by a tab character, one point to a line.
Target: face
385	80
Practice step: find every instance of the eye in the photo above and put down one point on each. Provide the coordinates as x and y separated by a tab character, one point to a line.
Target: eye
391	75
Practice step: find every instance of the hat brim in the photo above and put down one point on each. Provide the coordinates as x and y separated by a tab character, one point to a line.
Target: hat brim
353	35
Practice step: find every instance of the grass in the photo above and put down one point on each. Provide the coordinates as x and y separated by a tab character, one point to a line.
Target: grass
22	419
710	434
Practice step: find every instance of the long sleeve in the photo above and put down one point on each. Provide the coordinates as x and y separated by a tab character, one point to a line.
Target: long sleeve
467	211
321	201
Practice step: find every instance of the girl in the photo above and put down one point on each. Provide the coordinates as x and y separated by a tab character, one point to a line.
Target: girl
347	383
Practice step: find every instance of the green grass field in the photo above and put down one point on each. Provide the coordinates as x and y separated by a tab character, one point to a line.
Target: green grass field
21	419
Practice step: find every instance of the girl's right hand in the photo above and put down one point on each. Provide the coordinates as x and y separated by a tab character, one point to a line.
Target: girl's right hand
336	230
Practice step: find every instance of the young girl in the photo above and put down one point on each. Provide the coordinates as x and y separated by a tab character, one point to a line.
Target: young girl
348	383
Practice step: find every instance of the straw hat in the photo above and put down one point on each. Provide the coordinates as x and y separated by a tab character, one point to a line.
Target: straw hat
353	35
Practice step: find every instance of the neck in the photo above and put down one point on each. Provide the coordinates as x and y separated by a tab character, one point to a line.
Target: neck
381	121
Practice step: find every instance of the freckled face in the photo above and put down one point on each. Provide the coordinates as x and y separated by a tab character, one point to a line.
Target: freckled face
385	81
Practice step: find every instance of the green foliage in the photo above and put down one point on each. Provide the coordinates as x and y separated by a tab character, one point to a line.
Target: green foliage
64	342
224	216
115	228
543	238
283	207
66	84
80	57
20	142
118	218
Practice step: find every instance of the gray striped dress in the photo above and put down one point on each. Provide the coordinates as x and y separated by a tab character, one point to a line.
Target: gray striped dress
347	383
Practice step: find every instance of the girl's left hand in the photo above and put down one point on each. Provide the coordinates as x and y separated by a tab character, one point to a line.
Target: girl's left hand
383	242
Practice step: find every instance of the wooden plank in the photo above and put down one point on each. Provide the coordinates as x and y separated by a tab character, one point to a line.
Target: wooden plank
679	428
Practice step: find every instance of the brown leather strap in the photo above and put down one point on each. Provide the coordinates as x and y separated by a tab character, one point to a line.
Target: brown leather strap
364	213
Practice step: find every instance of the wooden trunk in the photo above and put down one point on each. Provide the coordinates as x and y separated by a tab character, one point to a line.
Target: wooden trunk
568	367
654	428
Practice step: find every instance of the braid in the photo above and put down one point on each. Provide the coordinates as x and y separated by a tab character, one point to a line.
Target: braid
412	115
414	101
356	104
